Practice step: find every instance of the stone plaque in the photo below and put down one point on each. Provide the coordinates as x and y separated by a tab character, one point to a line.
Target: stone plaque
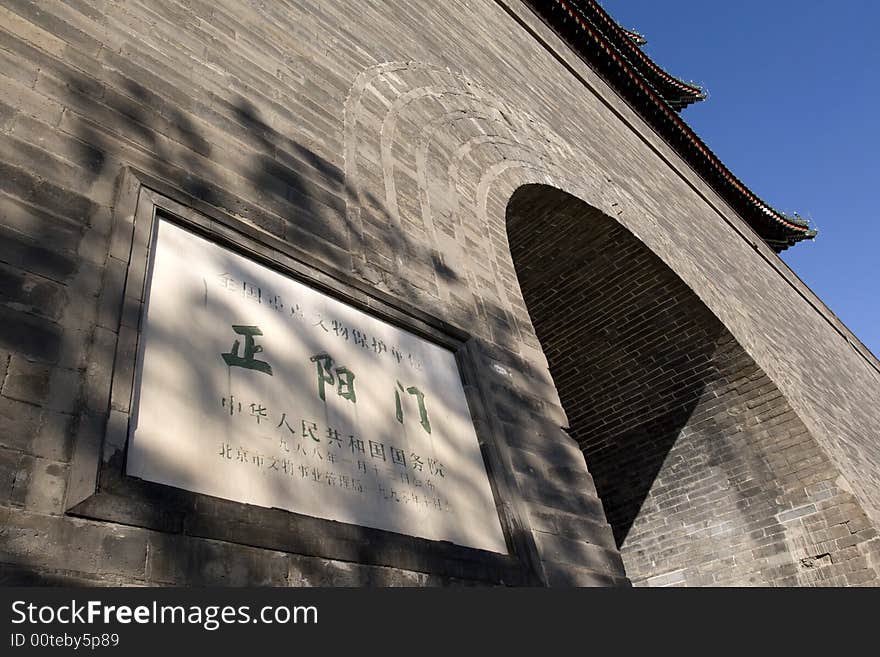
257	388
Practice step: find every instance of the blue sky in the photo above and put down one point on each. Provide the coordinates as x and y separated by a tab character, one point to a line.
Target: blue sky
794	112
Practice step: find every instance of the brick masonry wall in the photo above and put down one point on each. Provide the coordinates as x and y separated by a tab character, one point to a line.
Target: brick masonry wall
706	474
384	140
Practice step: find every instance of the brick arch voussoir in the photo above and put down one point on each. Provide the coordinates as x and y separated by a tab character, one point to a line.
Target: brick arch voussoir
436	101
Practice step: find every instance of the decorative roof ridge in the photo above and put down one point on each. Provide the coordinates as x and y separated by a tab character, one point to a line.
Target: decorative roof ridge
638	38
794	229
688	87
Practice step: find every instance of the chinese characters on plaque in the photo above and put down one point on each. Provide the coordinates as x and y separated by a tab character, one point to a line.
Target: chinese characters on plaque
256	388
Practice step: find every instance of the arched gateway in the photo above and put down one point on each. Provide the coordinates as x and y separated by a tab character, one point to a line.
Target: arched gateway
706	474
402	293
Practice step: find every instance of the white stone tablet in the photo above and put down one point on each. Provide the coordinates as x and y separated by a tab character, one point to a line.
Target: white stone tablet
257	388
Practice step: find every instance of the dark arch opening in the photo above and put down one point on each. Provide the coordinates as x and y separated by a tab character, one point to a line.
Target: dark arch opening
688	441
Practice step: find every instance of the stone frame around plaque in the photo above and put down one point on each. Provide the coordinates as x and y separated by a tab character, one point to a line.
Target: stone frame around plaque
99	489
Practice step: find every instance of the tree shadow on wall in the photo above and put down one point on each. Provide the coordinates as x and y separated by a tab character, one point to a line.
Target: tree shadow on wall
241	165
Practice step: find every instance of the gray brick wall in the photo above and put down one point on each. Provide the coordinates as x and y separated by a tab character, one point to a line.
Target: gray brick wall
384	140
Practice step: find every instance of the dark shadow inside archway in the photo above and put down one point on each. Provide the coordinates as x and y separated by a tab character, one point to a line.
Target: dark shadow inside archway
627	341
680	429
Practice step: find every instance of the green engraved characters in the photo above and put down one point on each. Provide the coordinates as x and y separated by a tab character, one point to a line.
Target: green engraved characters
251	348
327	372
344	378
420	398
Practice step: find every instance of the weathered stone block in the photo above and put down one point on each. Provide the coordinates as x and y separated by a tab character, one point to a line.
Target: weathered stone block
26	381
